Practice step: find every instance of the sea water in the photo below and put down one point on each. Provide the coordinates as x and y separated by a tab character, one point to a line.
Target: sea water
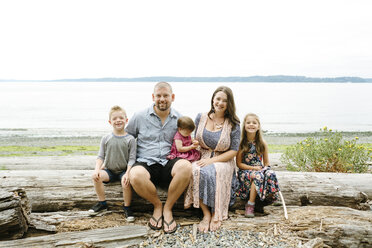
81	108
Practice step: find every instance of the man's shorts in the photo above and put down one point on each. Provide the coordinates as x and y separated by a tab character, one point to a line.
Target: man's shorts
114	177
160	175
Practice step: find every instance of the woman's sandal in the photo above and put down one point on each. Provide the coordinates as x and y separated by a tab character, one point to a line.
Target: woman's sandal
156	227
168	224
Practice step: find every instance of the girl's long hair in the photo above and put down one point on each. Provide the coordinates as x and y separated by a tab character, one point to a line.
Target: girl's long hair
230	110
258	139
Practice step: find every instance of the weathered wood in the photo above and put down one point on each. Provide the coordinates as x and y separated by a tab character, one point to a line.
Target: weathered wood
110	237
336	226
52	190
14	214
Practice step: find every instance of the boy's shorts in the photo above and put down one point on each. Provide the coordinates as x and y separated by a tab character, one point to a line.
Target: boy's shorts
114	177
160	175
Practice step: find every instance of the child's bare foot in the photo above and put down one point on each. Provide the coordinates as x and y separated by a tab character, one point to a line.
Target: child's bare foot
204	224
215	225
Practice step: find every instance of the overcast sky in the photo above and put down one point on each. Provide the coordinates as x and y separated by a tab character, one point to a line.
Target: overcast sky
89	39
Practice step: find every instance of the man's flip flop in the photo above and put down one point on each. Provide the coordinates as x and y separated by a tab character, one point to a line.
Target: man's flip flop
168	224
156	227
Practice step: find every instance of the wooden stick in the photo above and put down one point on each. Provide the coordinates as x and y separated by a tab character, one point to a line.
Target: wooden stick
284	207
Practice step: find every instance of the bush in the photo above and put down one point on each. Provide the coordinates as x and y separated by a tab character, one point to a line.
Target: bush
327	153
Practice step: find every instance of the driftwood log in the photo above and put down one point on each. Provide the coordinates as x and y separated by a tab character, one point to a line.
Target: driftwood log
14	214
60	190
110	237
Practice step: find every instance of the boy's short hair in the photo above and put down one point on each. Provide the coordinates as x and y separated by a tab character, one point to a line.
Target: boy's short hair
186	122
116	108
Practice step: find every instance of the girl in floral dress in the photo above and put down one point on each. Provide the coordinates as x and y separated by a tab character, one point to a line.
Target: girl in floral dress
255	176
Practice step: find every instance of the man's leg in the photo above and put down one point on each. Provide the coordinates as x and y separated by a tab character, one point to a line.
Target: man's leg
181	173
140	180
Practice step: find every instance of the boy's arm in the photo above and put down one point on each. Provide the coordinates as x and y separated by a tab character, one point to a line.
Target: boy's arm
132	153
99	164
131	160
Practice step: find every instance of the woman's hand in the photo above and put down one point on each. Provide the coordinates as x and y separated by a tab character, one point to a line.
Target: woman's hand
256	168
204	162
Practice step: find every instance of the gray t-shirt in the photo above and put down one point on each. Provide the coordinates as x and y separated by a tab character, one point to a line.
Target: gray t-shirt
117	152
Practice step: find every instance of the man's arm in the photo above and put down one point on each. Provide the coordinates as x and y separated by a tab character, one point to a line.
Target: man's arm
132	127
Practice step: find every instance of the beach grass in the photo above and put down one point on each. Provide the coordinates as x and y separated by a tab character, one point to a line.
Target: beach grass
62	150
66	150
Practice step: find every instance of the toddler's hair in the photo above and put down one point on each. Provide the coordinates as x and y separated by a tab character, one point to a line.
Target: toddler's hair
116	108
244	145
186	122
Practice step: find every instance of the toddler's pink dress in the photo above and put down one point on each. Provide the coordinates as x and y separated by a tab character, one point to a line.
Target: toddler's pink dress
191	155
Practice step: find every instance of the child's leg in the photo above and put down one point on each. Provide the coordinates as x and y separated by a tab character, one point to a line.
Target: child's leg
98	185
127	195
253	193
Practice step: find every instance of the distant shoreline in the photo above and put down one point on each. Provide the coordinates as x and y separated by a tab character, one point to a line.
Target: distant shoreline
232	79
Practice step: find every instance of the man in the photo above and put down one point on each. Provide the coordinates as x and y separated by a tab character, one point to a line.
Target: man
154	129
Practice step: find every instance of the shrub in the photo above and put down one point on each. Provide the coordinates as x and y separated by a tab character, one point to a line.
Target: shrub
328	152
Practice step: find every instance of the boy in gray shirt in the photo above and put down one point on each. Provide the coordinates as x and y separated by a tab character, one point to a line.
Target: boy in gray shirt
116	156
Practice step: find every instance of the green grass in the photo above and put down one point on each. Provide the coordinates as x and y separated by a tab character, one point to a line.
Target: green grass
22	151
13	151
277	148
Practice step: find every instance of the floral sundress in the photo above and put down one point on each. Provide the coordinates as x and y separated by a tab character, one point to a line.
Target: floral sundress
265	180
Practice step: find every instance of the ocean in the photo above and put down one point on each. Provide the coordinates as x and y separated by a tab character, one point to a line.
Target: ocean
81	108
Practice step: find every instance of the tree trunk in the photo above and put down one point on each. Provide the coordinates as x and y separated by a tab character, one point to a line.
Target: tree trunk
14	214
59	190
110	237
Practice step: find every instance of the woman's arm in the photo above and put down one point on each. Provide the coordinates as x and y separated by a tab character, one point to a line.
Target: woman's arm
223	157
266	155
243	166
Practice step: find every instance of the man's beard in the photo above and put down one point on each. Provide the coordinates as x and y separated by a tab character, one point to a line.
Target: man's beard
162	106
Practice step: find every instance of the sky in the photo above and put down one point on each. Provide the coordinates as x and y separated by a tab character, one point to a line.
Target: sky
46	40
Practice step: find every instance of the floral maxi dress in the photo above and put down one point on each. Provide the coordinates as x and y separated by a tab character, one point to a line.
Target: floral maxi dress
265	180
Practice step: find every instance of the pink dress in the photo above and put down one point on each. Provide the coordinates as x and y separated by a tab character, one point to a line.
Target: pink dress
191	155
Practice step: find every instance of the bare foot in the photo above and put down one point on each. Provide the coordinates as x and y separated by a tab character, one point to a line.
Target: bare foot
157	214
204	224
215	225
168	217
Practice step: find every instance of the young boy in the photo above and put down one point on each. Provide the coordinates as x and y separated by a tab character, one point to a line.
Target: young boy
116	156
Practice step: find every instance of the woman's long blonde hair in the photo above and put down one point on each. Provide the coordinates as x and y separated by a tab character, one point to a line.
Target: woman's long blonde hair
258	139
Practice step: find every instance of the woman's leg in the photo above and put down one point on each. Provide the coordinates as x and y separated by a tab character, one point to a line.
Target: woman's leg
215	224
204	224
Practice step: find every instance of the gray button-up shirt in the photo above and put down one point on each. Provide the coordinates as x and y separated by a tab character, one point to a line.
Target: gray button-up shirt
154	140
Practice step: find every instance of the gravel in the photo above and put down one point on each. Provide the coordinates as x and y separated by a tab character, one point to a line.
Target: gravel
187	237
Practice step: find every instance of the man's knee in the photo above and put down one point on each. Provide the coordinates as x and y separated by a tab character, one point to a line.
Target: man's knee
183	168
137	174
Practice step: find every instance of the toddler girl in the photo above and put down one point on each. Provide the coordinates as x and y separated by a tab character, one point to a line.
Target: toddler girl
255	176
183	146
